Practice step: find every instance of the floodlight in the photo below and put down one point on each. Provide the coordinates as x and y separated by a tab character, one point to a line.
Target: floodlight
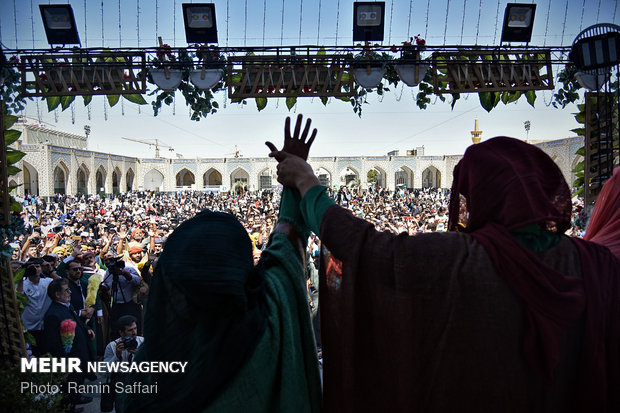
518	22
199	19
59	24
598	51
368	21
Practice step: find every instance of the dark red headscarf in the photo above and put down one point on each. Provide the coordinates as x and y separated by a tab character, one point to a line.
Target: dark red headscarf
509	184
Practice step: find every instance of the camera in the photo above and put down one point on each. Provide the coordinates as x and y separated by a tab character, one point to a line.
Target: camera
116	264
130	343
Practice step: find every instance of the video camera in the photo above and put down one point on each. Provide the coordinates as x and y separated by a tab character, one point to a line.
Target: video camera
116	264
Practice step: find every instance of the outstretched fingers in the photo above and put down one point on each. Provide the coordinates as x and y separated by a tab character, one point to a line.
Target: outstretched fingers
287	128
298	126
309	143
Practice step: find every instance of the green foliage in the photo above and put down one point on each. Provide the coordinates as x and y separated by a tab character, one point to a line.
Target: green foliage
13	156
261	103
372	175
291	101
568	92
29	402
113	99
135	98
11	89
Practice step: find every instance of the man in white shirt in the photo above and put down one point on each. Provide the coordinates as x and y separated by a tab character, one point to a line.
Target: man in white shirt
35	288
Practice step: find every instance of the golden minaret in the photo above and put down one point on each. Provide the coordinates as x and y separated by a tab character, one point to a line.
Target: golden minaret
476	133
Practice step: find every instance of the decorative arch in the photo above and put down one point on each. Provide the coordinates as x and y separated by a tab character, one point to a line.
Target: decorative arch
61	174
239	180
31	179
576	159
325	177
129	177
403	176
349	176
100	179
154	180
185	177
12	183
116	181
265	179
431	178
212	177
82	179
381	176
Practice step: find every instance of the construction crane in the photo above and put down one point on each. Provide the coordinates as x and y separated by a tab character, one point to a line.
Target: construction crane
237	153
152	142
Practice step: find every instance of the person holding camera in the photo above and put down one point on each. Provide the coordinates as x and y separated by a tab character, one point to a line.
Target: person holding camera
122	349
120	283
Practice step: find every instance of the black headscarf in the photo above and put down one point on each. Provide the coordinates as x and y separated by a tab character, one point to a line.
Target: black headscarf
206	306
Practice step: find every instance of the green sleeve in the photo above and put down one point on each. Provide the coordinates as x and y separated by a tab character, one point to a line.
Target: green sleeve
289	211
313	206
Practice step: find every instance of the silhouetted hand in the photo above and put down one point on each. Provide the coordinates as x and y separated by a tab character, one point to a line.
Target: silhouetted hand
295	145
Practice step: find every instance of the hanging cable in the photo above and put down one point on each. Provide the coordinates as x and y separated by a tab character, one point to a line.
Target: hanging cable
598	12
120	30
547	24
445	27
409	21
301	13
32	23
391	17
264	19
138	23
137	33
156	19
583	9
15	22
496	22
245	24
402	89
463	22
564	25
282	26
428	6
478	24
337	21
613	19
318	27
227	18
174	23
85	28
102	31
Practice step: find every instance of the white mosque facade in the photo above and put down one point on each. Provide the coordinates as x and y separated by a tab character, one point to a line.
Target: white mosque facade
58	162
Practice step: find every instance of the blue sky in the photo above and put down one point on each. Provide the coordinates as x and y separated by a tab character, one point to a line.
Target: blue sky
392	122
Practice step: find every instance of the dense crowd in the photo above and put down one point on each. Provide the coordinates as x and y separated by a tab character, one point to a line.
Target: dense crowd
100	224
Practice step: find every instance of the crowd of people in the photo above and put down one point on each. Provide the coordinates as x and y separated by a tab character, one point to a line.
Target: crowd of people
93	265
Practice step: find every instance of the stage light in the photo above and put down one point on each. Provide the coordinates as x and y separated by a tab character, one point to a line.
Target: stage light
368	21
59	24
598	51
518	22
200	25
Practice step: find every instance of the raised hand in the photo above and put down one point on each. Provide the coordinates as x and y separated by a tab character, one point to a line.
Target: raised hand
295	145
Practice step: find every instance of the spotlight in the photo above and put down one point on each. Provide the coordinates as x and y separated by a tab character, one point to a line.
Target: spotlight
368	21
518	22
199	19
59	24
